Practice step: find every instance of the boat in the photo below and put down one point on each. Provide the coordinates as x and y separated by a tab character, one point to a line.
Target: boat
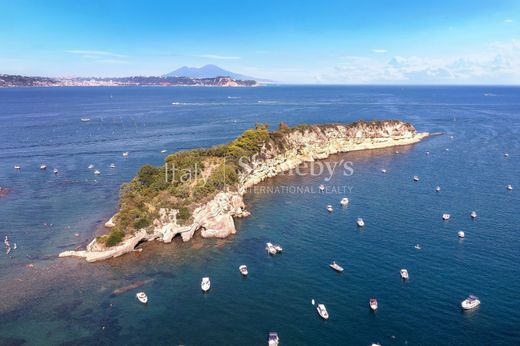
329	208
336	267
85	120
383	170
322	311
43	167
322	187
397	151
427	153
438	189
55	171
360	222
112	165
446	216
270	249
506	155
96	172
125	154
141	296
17	167
447	149
278	248
243	269
373	304
461	234
90	166
404	274
415	178
205	284
509	187
344	201
376	344
473	214
417	246
273	340
163	151
470	303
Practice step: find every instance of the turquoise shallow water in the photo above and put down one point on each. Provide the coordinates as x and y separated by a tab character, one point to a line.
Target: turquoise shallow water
68	302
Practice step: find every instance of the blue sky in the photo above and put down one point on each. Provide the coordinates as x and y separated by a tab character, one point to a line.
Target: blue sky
345	42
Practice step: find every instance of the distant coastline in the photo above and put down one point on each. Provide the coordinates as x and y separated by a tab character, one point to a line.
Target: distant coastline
17	81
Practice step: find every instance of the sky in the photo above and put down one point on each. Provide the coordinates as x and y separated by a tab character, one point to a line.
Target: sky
326	42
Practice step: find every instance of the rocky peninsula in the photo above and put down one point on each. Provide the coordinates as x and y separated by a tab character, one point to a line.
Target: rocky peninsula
202	190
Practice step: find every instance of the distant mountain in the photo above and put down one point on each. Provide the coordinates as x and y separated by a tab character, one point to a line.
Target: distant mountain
209	71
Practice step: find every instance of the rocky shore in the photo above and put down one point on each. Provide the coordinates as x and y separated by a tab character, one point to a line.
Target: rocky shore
302	144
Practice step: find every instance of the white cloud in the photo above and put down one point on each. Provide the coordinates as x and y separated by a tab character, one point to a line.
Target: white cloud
379	50
94	53
508	21
217	57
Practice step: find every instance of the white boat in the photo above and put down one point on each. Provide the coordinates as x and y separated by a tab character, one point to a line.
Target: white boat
447	149
344	201
473	214
90	166
273	340
427	153
55	171
336	267
417	246
360	222
163	151
438	189
17	167
125	154
270	249
322	187
141	296
510	187
112	165
243	270
461	234
506	155
322	311
383	170
278	248
446	216
43	167
85	120
329	208
404	274
96	172
376	344
373	304
415	178
397	151
470	303
205	284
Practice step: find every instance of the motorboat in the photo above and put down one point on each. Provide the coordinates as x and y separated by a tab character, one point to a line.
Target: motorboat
270	249
96	172
322	311
278	248
470	303
85	120
43	166
273	340
417	246
473	214
376	344
360	222
336	267
446	216
510	187
373	304
125	154
17	167
112	165
383	170
163	151
90	166
205	284
415	178
55	171
344	201
506	155
461	234
141	296
404	274
329	208
438	189
322	187
243	269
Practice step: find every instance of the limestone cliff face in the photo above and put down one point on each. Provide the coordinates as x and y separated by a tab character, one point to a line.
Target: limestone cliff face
294	147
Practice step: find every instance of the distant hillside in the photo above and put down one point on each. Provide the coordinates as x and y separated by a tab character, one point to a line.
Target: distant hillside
209	71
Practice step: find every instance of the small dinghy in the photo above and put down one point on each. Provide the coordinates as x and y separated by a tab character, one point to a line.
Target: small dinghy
17	167
336	267
322	310
278	248
273	340
360	222
322	187
141	296
55	171
344	201
438	189
383	170
243	270
96	172
415	178
470	303
91	166
510	187
205	284
43	167
329	208
461	234
417	246
270	249
473	214
446	216
112	165
125	154
404	274
373	304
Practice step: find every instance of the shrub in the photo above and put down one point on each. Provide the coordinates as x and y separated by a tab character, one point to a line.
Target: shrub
114	237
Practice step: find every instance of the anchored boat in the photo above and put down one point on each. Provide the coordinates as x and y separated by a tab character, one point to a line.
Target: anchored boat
336	267
373	304
274	340
243	270
205	285
470	303
142	297
404	274
360	222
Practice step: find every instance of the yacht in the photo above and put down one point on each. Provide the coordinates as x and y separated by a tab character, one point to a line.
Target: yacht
446	216
404	274
141	296
205	284
90	166
329	208
55	171
322	311
373	304
438	189
322	187
278	248
43	166
270	249
510	187
274	340
473	214
336	267
96	172
344	201
470	303
243	269
17	167
125	154
383	170
418	247
112	165
415	178
461	234
360	222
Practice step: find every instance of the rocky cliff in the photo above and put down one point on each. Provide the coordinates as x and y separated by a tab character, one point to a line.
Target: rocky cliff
284	150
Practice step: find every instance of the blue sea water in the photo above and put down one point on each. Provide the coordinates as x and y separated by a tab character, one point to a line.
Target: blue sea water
70	302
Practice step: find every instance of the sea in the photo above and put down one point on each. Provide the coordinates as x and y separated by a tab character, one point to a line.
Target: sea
46	300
